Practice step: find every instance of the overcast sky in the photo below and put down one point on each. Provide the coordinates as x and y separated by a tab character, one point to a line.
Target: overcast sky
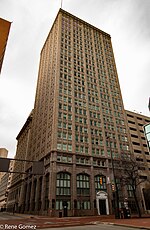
128	23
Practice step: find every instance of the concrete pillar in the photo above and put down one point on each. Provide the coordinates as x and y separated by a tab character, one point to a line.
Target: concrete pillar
22	198
92	189
32	195
27	202
46	194
52	188
43	194
37	194
74	188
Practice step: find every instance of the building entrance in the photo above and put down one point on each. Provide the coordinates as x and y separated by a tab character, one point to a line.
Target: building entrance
102	207
102	203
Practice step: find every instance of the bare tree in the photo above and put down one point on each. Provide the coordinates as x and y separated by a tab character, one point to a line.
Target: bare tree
146	193
131	176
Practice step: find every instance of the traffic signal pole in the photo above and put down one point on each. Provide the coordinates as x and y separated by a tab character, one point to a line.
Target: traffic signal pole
117	215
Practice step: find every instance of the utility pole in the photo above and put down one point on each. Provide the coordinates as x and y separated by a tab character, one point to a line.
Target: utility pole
117	216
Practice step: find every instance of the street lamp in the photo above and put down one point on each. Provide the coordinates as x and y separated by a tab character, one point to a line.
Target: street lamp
115	190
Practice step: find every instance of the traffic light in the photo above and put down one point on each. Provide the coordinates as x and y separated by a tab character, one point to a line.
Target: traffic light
6	194
113	187
101	180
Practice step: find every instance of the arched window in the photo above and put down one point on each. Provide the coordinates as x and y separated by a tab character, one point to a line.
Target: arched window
63	184
63	190
100	183
83	184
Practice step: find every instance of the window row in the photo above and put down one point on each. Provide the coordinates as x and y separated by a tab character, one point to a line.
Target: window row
63	184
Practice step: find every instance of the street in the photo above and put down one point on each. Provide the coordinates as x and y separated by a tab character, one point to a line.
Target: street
96	227
28	221
8	216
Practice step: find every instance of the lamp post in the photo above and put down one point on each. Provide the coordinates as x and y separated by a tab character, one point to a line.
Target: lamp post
117	216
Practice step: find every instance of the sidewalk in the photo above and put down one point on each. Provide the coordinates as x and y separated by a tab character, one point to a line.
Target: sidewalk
143	223
135	222
45	222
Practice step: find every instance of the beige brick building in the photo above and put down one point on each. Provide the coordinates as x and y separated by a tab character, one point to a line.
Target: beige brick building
78	105
17	179
136	123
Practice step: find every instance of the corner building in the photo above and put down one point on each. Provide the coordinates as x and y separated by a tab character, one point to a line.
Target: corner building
78	105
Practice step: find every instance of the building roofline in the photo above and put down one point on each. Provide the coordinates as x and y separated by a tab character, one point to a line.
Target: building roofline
84	22
75	17
5	20
137	114
25	125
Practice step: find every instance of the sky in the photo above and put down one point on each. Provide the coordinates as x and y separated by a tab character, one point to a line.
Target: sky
128	23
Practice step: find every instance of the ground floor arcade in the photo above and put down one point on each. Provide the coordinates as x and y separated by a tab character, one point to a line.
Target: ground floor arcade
68	188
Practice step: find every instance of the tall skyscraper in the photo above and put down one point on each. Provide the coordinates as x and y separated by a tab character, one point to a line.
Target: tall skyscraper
79	123
78	99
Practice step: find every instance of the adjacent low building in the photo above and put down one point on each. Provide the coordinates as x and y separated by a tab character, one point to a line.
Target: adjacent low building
139	129
17	180
147	134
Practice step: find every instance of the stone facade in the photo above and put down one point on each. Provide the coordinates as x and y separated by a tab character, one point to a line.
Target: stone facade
17	177
78	105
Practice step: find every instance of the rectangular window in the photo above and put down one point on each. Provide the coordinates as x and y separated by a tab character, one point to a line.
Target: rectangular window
86	150
64	136
69	126
69	148
64	147
77	148
69	136
69	158
64	125
64	159
69	117
81	149
59	146
64	116
58	157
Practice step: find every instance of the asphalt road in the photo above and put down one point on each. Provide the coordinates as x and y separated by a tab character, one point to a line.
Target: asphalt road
5	216
25	221
94	227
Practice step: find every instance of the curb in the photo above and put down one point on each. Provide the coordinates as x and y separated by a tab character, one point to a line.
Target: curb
131	226
121	225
